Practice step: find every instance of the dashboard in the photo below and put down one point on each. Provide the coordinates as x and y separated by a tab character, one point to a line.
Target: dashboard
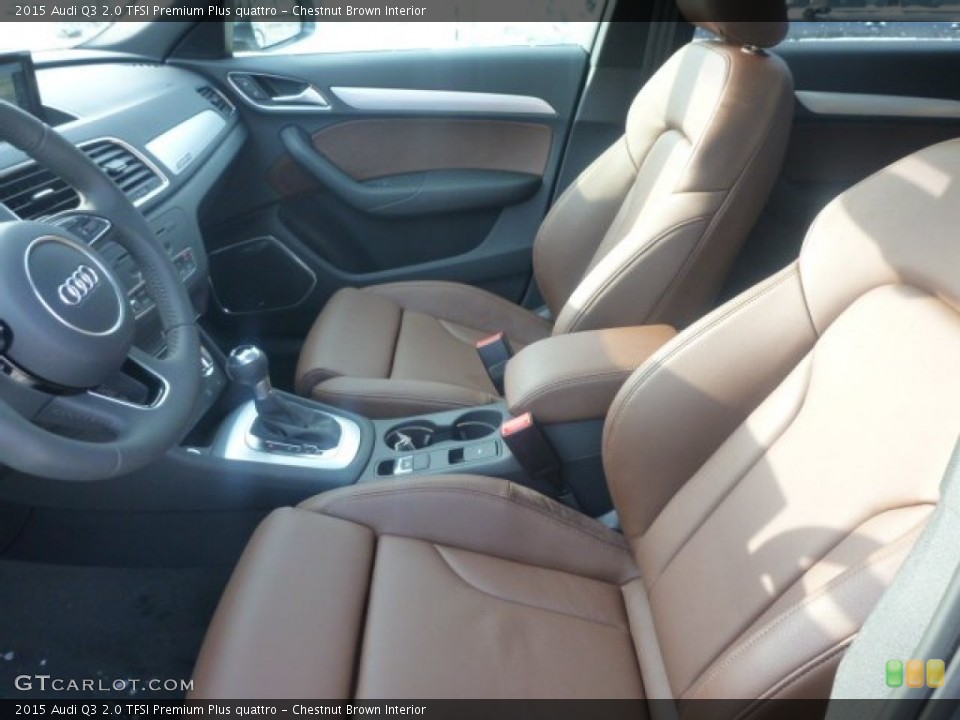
163	134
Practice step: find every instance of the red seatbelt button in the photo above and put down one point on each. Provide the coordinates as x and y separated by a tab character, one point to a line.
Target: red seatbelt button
517	425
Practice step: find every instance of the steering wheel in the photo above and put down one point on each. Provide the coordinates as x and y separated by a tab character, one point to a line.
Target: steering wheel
67	330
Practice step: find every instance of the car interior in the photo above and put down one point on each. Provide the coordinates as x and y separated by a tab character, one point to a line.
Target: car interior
610	368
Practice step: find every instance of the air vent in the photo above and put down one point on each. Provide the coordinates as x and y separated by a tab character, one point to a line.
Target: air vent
33	192
127	169
217	99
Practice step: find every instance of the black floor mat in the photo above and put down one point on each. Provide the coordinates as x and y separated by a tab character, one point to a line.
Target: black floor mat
102	624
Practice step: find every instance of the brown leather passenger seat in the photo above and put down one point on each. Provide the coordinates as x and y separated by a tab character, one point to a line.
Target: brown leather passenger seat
645	235
772	466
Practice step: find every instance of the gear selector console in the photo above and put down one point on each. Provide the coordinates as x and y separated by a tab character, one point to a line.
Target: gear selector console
278	428
281	425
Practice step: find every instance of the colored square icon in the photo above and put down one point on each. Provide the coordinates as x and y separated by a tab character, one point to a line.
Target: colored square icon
915	673
935	671
894	673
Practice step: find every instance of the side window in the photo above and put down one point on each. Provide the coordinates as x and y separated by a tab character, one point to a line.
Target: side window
812	20
806	31
567	23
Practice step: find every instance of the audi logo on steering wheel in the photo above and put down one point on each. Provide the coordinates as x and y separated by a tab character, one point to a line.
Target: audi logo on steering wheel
81	283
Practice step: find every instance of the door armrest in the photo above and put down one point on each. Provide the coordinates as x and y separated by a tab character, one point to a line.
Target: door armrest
575	377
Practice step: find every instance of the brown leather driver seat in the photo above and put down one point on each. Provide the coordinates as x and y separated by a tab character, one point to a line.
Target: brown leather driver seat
772	466
645	235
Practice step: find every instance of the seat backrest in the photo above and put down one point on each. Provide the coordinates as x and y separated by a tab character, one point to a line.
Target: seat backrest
774	464
647	233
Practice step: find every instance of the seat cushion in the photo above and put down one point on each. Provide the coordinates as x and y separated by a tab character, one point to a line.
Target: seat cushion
325	607
408	348
294	603
449	623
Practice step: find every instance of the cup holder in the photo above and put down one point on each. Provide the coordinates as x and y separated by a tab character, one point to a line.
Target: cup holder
419	434
411	436
476	424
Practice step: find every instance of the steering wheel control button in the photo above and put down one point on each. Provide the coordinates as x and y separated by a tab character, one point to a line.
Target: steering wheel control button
88	228
140	301
74	286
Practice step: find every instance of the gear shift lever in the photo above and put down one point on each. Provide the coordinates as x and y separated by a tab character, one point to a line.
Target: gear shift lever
279	419
248	366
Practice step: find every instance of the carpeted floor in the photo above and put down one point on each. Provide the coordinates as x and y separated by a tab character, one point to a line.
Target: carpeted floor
102	624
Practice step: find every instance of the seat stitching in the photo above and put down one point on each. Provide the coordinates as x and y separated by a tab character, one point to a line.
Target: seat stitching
731	195
597	295
765	451
667	127
312	378
838	649
511	601
396	343
550	220
570	381
846	576
365	617
511	308
385	494
797	675
308	382
716	108
657	364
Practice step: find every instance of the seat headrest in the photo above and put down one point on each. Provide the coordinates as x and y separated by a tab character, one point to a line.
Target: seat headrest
760	23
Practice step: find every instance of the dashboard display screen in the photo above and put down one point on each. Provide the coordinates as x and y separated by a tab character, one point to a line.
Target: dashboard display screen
18	83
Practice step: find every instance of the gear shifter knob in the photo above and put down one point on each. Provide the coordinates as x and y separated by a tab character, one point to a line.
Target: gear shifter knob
248	366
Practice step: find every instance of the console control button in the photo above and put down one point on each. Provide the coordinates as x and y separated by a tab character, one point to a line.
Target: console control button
404	465
480	451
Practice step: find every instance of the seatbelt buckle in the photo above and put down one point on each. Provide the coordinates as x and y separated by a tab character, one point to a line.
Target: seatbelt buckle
494	353
532	450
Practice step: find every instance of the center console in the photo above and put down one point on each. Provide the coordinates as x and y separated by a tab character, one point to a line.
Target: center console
283	431
567	383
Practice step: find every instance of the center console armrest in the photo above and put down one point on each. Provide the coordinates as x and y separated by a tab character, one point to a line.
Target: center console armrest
575	377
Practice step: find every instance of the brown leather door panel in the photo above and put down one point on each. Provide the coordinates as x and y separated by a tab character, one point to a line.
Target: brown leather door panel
376	148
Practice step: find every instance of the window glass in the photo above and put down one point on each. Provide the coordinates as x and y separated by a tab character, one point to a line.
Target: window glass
560	27
805	30
47	35
873	30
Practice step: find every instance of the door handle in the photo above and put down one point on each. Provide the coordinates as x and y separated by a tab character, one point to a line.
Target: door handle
308	96
276	93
